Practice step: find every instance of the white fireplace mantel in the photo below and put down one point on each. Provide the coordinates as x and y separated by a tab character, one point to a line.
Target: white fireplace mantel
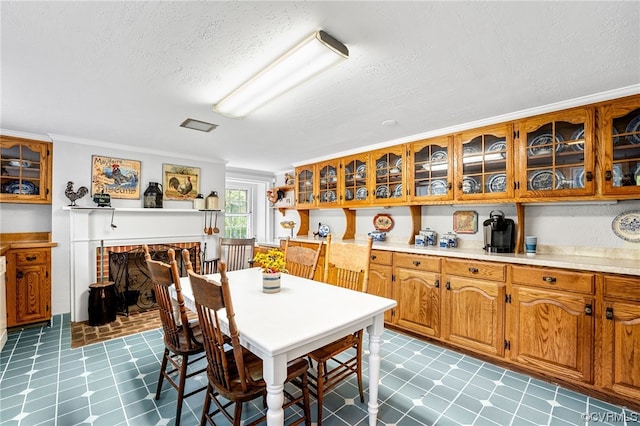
92	227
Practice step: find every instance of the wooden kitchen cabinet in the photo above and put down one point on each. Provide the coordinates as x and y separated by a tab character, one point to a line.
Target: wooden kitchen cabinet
552	321
328	183
417	290
387	174
430	169
354	172
380	277
620	336
25	170
556	155
619	147
28	286
474	305
484	169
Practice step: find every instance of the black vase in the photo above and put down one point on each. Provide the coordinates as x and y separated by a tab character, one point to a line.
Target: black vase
153	196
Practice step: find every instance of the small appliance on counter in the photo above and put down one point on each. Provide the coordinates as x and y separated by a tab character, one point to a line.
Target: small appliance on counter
499	233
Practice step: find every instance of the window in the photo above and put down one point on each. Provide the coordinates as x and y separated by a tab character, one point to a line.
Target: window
237	219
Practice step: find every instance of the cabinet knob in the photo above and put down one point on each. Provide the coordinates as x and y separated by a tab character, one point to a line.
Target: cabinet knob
608	175
448	285
473	270
588	309
416	263
608	313
19	274
551	280
30	258
436	284
374	257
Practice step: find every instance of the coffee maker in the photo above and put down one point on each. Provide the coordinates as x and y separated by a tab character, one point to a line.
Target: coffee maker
499	233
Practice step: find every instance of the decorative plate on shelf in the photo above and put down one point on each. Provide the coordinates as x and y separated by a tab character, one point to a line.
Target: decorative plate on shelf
470	185
397	191
634	127
383	222
578	181
543	144
361	193
627	226
577	136
497	183
15	187
329	197
439	156
399	163
382	191
542	180
348	195
438	187
500	147
381	168
16	162
361	171
468	150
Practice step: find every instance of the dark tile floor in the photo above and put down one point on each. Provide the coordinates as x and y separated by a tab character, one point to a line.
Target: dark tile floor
43	381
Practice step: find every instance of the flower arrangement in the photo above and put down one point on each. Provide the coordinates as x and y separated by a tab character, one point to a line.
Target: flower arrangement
271	262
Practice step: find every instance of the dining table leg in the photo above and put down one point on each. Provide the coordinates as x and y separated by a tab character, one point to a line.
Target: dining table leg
274	371
375	338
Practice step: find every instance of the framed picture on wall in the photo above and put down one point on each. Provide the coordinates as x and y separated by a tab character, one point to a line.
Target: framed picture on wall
180	182
117	177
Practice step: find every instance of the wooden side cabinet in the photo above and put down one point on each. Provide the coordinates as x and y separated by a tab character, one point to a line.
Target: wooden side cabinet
25	170
28	286
620	326
380	278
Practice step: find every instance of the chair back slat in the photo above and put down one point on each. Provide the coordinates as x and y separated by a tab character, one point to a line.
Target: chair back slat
175	324
237	253
302	261
347	264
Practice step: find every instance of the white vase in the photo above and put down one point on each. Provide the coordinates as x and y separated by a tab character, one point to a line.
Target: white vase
270	282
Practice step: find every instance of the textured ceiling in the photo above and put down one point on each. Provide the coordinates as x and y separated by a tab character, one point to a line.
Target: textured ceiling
129	73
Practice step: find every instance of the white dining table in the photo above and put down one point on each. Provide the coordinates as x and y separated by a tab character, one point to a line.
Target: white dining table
303	316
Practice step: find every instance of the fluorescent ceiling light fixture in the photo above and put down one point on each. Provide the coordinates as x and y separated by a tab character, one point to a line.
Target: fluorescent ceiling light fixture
316	53
203	126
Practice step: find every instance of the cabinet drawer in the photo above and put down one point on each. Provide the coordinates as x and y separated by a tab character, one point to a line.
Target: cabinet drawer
580	282
31	257
416	261
475	269
381	257
622	287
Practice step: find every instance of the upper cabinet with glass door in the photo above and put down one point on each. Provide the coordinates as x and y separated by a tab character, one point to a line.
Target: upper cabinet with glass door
556	154
306	187
25	170
484	166
354	180
328	183
387	175
430	171
619	133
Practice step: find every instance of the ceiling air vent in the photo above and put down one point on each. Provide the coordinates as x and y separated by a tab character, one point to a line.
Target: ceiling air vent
203	126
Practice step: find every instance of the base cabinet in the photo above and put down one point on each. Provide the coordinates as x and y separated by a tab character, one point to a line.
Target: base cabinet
620	344
28	286
381	277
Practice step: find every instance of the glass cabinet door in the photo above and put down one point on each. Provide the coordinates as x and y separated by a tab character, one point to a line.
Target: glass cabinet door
23	171
388	175
556	155
430	169
328	183
305	186
485	166
354	180
620	136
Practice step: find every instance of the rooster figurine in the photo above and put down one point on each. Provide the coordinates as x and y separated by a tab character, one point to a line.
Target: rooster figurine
75	195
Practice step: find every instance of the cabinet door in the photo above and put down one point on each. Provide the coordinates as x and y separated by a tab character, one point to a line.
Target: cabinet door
474	314
354	189
620	346
556	155
30	295
387	176
380	284
484	168
305	186
553	332
619	136
328	183
418	296
25	170
430	171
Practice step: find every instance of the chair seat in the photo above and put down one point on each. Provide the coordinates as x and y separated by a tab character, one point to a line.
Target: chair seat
332	349
183	347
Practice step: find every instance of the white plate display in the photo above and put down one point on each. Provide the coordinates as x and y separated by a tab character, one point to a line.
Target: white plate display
577	136
438	187
634	127
399	163
468	150
361	193
543	144
397	191
361	171
329	197
578	182
499	146
627	226
382	191
310	198
542	180
348	195
470	185
381	168
347	171
617	175
15	187
439	156
497	183
16	162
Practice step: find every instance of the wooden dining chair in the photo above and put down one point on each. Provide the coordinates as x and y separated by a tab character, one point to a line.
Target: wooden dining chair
346	265
235	376
301	261
237	253
182	340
